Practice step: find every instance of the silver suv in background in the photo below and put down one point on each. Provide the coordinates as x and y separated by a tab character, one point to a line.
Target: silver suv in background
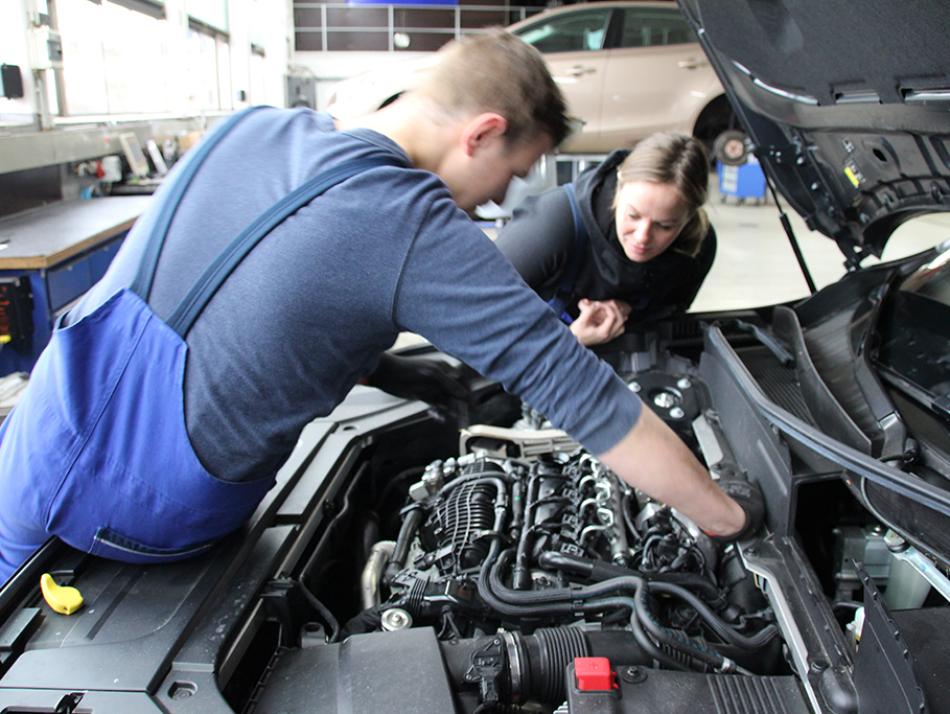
627	69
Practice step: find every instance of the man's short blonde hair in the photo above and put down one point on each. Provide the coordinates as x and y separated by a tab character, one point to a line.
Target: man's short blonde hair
495	71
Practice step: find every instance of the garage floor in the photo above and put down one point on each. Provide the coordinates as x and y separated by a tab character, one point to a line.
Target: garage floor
755	264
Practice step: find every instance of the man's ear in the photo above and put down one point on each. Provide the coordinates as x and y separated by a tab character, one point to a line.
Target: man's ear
481	129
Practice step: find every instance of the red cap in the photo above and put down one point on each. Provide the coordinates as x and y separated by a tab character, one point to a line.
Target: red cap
594	674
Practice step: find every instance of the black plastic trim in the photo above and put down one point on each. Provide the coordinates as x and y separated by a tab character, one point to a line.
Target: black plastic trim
848	458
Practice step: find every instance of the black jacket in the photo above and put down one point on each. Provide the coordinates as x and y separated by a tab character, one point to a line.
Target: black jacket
539	241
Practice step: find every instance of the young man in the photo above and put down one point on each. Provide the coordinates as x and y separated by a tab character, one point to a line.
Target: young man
274	267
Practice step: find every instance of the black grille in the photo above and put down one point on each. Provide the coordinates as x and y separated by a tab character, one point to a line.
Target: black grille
779	383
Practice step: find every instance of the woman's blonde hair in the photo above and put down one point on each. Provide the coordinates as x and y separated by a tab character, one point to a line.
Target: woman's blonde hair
679	160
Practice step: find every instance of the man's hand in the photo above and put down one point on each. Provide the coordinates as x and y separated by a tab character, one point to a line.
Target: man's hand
599	321
749	497
652	458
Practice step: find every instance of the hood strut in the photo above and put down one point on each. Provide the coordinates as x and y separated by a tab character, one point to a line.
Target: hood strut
793	241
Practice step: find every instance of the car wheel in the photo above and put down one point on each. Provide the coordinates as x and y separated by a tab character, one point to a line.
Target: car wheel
730	147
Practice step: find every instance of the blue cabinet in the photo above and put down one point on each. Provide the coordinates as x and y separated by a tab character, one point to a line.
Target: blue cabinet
49	258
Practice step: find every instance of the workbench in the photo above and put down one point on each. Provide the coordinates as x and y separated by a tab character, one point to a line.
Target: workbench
49	257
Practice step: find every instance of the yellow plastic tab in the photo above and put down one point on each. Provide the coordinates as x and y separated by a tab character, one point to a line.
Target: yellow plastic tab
852	177
64	599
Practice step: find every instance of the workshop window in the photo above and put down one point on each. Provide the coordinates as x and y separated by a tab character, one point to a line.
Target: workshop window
210	13
114	59
124	57
208	85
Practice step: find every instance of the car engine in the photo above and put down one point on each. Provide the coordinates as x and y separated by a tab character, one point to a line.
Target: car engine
522	564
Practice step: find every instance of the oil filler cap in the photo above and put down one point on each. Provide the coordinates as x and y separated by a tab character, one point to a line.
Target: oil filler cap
594	674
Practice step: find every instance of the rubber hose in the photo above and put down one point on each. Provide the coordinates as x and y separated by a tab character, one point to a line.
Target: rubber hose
608	587
515	610
665	636
746	642
404	540
600	604
599	571
520	573
327	616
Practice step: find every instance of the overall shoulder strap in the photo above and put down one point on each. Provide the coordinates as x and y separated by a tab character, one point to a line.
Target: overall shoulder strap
142	284
563	292
183	317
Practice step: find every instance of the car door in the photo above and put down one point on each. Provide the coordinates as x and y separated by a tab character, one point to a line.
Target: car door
572	43
656	78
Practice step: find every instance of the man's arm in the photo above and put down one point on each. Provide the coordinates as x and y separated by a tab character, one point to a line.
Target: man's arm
653	459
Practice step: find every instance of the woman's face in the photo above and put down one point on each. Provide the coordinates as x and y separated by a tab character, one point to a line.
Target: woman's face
649	217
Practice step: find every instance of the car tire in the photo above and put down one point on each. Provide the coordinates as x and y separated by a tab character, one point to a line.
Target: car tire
730	147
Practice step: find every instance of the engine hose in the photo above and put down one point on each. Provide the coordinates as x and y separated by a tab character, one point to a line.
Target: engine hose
606	603
746	642
517	506
693	580
525	610
322	610
545	656
520	574
554	595
372	573
675	639
570	600
625	507
588	604
599	571
406	533
680	656
365	621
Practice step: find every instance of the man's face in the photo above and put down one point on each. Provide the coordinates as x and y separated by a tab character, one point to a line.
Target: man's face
484	176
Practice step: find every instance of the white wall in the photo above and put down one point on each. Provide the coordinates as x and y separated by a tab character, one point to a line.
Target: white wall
13	50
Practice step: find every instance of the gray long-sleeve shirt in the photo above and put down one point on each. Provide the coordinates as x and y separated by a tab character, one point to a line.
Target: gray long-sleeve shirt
310	309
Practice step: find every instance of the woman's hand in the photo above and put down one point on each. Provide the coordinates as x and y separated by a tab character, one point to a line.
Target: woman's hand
599	321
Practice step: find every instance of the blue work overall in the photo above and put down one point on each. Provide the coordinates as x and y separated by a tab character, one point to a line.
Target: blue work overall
565	288
97	451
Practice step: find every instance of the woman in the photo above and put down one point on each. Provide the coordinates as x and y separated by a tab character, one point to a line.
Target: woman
628	241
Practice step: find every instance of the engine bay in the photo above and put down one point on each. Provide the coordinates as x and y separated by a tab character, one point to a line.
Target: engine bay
523	552
516	560
522	565
467	557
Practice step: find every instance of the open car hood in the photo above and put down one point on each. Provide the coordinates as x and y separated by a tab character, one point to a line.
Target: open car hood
847	105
